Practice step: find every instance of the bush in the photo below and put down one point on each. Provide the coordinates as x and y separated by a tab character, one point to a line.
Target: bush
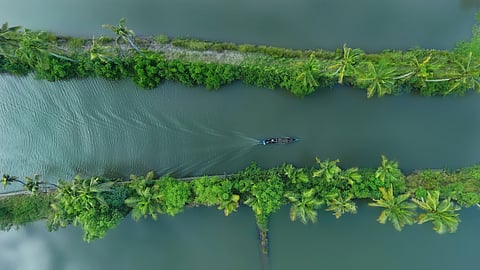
149	71
16	211
54	69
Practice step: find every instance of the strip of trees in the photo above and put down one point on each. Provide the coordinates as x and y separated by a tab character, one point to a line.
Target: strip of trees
98	204
423	71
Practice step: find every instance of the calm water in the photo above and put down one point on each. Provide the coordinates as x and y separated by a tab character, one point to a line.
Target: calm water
100	127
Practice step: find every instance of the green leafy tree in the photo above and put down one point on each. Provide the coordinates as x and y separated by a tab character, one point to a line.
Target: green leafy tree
441	214
173	195
265	196
304	205
397	209
211	191
346	65
87	202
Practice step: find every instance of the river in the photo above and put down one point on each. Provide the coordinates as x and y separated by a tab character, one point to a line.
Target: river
101	127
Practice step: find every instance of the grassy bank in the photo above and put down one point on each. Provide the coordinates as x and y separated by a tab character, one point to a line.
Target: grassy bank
150	60
98	204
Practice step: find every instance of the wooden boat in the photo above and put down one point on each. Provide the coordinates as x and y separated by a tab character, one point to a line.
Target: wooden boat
278	140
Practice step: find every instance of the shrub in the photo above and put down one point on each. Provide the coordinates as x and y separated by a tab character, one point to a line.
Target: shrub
149	71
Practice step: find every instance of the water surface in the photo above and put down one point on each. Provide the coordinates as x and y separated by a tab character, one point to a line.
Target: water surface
100	127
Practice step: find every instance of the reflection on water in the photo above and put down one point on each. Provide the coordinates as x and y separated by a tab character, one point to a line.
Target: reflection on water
203	238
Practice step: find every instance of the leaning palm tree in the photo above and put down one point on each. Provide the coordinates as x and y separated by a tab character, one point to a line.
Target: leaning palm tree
97	51
33	47
397	209
418	69
8	180
304	206
378	79
467	76
123	33
346	64
9	38
442	214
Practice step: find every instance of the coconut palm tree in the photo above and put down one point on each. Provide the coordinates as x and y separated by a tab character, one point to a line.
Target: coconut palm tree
123	33
468	76
89	191
230	205
146	198
387	169
441	214
346	65
419	69
304	206
8	180
397	209
341	205
34	46
328	169
379	79
305	81
9	37
97	51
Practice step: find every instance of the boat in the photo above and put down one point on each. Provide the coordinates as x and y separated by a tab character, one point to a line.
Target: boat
278	140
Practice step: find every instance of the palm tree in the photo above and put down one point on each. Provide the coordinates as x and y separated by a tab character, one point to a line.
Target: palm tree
341	205
123	33
8	180
34	184
89	191
442	214
328	169
9	38
346	65
297	177
230	205
397	210
34	46
304	206
387	169
418	69
146	200
468	77
100	52
379	79
305	77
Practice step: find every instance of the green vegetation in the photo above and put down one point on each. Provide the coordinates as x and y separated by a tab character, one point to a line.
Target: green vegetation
98	204
149	61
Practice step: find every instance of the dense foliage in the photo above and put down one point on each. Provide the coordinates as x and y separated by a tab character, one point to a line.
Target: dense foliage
98	204
190	62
